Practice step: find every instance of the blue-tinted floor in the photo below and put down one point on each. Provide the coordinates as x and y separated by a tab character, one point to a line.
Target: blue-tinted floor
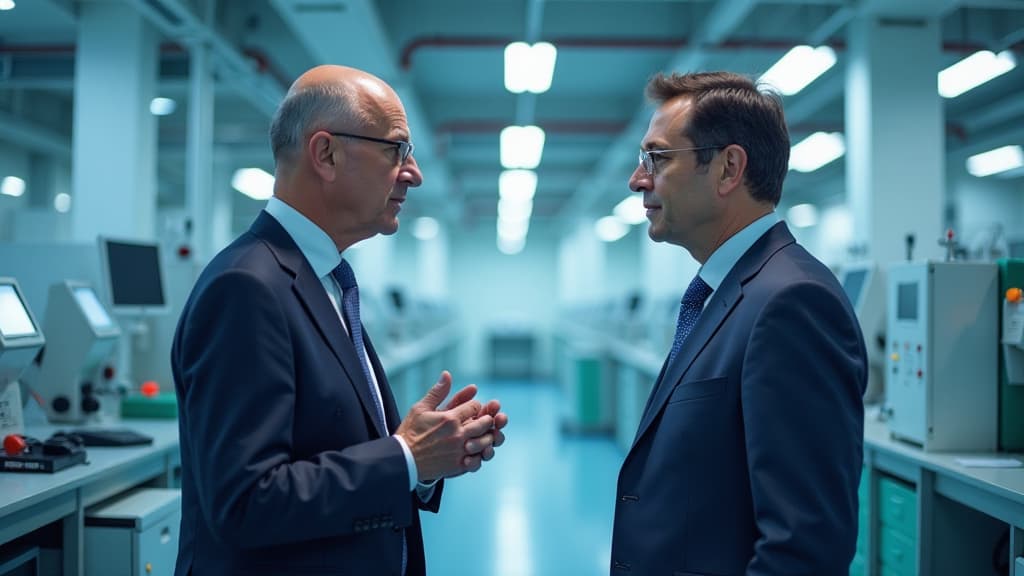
542	507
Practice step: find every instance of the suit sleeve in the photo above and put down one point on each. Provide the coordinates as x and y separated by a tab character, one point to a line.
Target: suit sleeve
803	416
235	357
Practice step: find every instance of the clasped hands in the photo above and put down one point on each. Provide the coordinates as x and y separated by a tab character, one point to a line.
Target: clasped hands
456	439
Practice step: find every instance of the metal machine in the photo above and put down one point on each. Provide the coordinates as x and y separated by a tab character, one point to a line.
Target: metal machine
76	363
20	341
1011	369
941	371
864	284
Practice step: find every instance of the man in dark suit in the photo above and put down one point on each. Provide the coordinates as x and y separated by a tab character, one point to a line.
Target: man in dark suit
748	454
295	459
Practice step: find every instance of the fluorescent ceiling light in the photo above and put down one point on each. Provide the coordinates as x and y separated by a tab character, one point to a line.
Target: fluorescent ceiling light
512	230
12	186
521	146
161	106
816	150
511	247
974	71
425	228
631	210
996	161
515	210
529	68
798	68
254	183
610	229
62	202
517	184
802	215
6	4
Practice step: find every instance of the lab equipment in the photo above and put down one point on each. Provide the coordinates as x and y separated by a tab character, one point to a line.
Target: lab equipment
134	275
864	284
941	371
1011	367
20	342
76	365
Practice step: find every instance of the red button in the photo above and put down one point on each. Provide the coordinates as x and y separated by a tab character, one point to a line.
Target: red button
14	445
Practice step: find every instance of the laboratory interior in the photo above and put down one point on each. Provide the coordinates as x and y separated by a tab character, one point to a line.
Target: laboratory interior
134	147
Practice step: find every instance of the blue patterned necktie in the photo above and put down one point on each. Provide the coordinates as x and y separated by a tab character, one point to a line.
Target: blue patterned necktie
689	311
350	309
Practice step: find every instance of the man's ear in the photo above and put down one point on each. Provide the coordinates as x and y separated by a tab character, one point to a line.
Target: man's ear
733	168
325	155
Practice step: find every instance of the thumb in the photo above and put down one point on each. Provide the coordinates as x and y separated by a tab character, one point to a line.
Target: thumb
438	392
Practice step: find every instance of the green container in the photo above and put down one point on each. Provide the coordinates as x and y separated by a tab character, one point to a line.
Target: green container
898	507
161	406
1011	398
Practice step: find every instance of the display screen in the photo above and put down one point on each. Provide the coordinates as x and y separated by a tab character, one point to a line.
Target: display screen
134	270
14	318
906	301
90	304
853	283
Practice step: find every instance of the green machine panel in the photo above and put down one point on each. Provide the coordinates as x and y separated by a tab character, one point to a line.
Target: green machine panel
1011	397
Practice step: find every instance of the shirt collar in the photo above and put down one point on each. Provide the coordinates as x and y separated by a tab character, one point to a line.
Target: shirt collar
722	260
318	248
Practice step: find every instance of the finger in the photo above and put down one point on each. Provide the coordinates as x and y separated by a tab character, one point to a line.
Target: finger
479	444
471	463
467	411
487	454
437	392
500	420
477	427
462	396
499	438
491	408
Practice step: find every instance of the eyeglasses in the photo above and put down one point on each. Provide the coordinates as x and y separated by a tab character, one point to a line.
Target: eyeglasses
647	156
404	148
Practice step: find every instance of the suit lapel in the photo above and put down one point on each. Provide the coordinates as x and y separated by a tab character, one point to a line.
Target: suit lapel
722	302
311	294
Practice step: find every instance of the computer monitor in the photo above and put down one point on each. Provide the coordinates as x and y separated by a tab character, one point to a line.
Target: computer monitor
134	276
20	337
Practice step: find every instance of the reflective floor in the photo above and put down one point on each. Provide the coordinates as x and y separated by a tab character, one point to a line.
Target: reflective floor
542	507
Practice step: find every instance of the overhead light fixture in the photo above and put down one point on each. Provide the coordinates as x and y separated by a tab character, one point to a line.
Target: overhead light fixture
514	210
255	183
816	150
631	210
511	247
610	229
12	186
521	146
425	228
517	184
529	68
974	71
62	202
6	4
995	161
802	215
511	229
798	68
162	106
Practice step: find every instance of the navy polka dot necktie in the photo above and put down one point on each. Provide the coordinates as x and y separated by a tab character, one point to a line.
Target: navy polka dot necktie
689	311
350	309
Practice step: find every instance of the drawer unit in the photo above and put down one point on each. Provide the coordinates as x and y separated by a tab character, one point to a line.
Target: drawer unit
897	552
134	535
898	507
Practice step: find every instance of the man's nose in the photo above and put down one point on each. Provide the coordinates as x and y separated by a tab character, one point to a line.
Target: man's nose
410	173
640	180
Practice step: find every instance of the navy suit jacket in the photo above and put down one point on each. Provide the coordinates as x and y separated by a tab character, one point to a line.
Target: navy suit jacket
283	470
748	455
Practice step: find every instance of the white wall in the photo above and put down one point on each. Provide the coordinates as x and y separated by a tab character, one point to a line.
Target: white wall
982	203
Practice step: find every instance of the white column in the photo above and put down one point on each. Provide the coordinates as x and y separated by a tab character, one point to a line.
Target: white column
581	259
199	201
895	137
114	141
432	267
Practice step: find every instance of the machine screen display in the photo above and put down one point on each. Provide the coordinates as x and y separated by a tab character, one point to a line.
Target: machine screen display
134	270
14	318
906	301
90	304
853	283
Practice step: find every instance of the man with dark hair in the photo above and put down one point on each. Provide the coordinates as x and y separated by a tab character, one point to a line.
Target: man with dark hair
294	457
748	454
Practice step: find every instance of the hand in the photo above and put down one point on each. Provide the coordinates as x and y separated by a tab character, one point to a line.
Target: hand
483	446
437	439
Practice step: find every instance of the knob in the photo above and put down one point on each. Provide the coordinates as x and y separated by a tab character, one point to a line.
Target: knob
61	404
90	404
14	445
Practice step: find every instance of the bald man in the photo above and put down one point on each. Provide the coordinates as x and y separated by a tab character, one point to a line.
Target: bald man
294	457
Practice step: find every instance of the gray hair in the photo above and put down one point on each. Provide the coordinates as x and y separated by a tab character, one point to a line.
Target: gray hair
312	108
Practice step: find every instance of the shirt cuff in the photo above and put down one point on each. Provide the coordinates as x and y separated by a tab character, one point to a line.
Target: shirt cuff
409	461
